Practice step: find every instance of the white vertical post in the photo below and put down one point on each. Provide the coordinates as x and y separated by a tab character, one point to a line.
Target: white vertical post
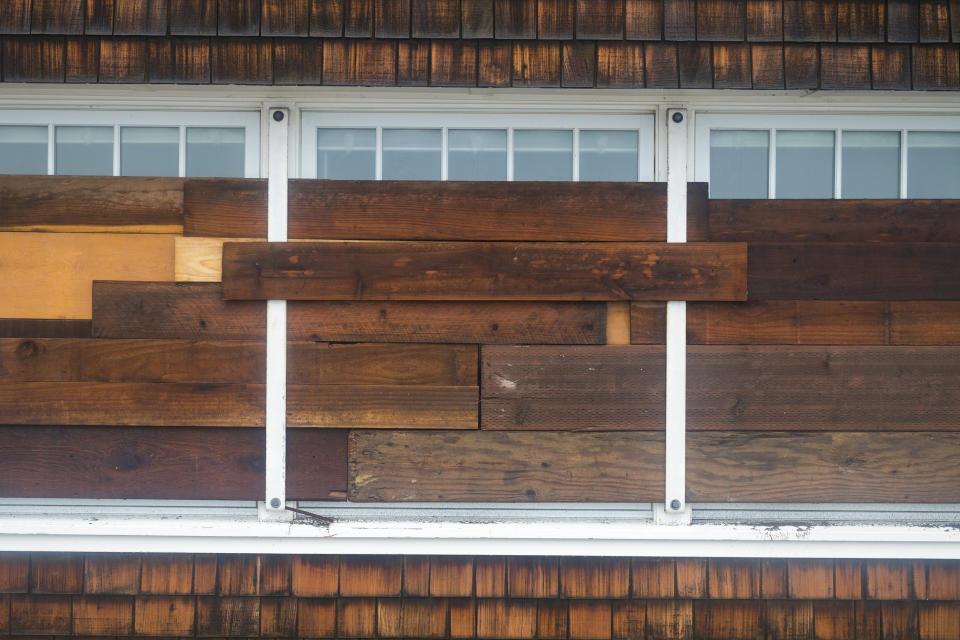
675	504
276	388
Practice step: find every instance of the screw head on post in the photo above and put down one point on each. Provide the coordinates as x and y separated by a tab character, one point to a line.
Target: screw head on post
275	503
677	117
675	504
278	116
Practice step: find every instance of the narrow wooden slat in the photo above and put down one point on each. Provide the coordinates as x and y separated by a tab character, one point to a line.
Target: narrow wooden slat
671	619
140	18
451	365
73	203
451	576
845	66
890	67
533	577
854	271
225	207
902	20
415	210
164	463
767	66
935	67
720	619
733	579
82	59
789	619
572	388
660	64
618	323
494	64
413	63
553	618
338	270
925	323
199	259
15	16
590	618
822	467
653	578
370	575
31	328
484	466
620	65
594	577
720	20
810	579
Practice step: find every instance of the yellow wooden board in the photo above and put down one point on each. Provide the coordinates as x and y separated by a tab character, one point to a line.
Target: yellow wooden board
50	275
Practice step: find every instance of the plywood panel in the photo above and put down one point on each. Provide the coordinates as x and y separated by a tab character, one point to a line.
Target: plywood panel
49	275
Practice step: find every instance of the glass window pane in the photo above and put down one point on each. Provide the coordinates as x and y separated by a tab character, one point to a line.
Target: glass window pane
871	164
739	164
477	154
933	164
84	151
149	151
411	154
805	164
23	150
543	155
347	154
215	152
608	156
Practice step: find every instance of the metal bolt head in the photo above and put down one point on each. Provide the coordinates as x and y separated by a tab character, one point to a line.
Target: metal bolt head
278	116
675	504
275	503
677	117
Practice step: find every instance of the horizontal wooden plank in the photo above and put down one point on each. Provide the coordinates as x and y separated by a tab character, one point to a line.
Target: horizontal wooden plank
198	259
95	202
925	322
605	388
234	361
39	328
783	388
648	322
235	405
183	463
821	467
513	211
339	270
49	275
503	466
854	271
225	207
785	220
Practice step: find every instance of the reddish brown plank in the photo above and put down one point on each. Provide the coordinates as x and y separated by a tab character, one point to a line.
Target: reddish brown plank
413	63
934	21
620	65
241	60
695	65
414	210
823	467
359	62
536	64
339	270
31	328
140	18
767	66
494	64
925	323
572	388
890	67
326	18
660	65
801	66
225	207
123	60
179	60
165	463
504	466
82	59
845	66
15	16
453	63
731	66
238	17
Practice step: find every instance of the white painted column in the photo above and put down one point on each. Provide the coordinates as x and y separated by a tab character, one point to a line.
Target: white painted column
274	507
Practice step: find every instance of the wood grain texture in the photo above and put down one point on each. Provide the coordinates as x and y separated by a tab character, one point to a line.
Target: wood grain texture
392	19
605	388
890	67
382	407
934	21
764	20
822	467
721	20
861	21
801	66
476	18
15	16
179	60
57	16
82	59
193	17
297	61
413	63
579	64
284	17
435	18
181	463
241	60
854	271
695	65
198	259
679	20
555	19
902	21
935	67
140	18
225	207
809	20
660	65
33	328
453	63
925	323
45	203
620	65
536	64
49	275
33	59
486	466
844	66
337	270
326	18
123	60
415	210
494	64
600	19
515	19
359	62
358	19
823	388
731	66
643	19
238	17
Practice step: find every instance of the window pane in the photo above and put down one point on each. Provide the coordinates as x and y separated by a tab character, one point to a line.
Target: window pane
805	164
608	156
214	152
933	164
542	155
149	151
347	154
739	164
477	154
871	164
23	150
411	154
84	151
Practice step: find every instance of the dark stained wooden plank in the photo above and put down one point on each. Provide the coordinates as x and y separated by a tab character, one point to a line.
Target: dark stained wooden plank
392	19
413	63
297	61
185	463
648	323
123	60
854	271
15	16
935	67
34	202
801	66
922	323
643	19
679	20
413	210
179	60
173	310
494	64
358	19
225	207
555	19
193	17
140	18
731	66
806	388
731	579
446	322
767	66
31	328
359	62
83	57
326	18
99	17
343	270
238	17
844	66
57	16
33	59
660	65
452	365
822	467
695	64
606	388
284	17
902	20
600	19
515	19
861	21
453	63
955	20
764	20
810	20
934	21
476	18
721	20
536	64
241	60
435	18
579	64
620	65
834	220
891	67
486	466
718	619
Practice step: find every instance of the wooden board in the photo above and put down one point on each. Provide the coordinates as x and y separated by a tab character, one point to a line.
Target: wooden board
182	463
648	322
579	388
822	467
33	328
925	322
49	275
236	405
512	211
453	365
91	203
487	466
854	271
339	270
777	388
834	220
225	207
